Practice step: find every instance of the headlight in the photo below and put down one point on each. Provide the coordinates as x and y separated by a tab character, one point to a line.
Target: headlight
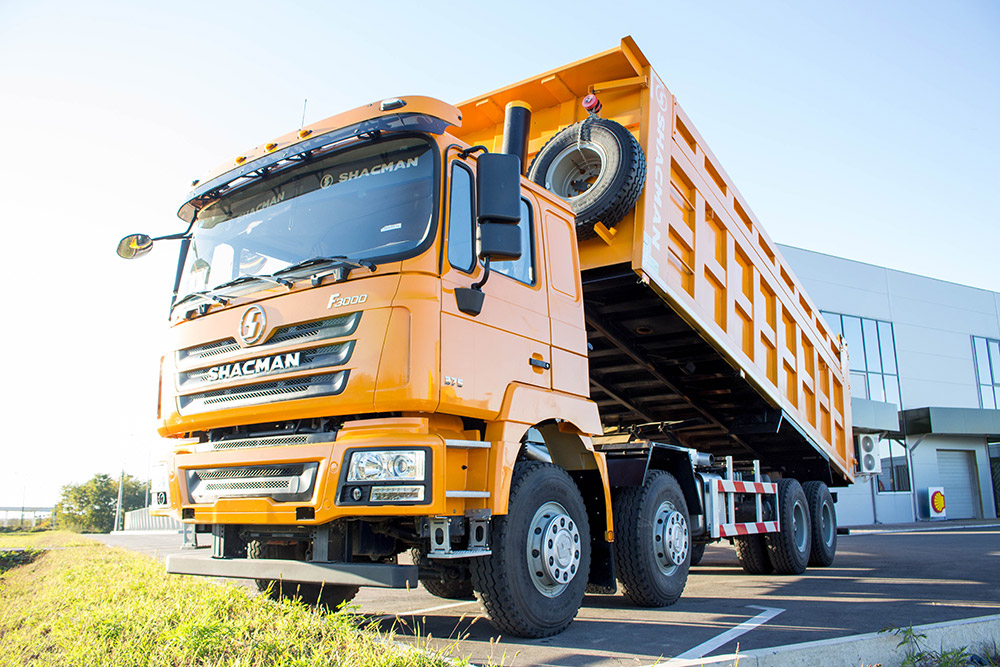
373	466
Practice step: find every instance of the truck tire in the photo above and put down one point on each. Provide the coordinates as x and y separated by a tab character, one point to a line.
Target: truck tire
597	166
752	552
789	549
450	585
823	516
326	596
697	553
652	540
532	584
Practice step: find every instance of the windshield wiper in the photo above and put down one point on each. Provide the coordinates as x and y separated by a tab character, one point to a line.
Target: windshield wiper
333	259
249	277
341	272
200	295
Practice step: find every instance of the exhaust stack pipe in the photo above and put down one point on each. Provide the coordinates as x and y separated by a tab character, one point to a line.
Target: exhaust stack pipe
516	123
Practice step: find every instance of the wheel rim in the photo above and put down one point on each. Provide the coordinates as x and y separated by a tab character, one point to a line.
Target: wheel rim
576	169
553	549
799	526
671	538
826	524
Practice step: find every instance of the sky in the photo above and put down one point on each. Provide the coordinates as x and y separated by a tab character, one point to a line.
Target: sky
867	130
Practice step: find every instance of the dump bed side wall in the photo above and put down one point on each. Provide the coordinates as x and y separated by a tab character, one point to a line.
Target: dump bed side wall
699	245
694	241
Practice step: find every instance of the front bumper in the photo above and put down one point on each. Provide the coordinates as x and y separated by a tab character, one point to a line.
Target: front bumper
345	574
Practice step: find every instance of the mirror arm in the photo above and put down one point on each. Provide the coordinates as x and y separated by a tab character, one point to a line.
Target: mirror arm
185	243
473	149
478	286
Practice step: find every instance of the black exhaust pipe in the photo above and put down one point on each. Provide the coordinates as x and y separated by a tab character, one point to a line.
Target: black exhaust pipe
516	124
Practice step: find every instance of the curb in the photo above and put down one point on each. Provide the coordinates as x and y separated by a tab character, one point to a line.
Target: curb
868	649
916	529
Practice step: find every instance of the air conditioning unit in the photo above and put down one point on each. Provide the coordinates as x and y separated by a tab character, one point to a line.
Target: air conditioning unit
869	459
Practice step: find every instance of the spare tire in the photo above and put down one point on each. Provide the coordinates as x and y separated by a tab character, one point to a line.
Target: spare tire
597	166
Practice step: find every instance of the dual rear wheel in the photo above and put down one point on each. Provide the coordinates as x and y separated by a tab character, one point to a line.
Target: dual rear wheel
807	536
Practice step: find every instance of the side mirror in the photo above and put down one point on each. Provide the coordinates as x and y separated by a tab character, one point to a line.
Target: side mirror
134	245
499	241
498	187
498	191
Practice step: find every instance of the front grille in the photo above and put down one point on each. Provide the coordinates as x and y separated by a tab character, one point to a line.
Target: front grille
333	327
209	350
327	356
267	441
286	482
310	386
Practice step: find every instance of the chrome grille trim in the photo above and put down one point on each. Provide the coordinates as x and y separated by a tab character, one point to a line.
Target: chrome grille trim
317	330
309	386
285	482
267	441
328	356
209	350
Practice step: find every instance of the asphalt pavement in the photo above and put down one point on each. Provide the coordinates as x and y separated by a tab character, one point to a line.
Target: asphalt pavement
878	580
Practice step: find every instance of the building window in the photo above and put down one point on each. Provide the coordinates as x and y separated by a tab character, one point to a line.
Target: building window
872	347
987	353
895	475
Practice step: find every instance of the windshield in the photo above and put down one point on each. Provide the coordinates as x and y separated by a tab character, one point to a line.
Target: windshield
374	202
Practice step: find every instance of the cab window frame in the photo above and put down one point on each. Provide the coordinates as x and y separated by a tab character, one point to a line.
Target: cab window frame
470	268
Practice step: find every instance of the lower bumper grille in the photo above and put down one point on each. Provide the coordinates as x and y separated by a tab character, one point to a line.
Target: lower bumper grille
284	483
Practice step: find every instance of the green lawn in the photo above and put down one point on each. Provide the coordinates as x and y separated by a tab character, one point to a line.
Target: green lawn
45	539
107	606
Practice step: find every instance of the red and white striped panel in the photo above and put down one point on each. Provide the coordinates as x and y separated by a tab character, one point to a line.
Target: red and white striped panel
735	529
746	487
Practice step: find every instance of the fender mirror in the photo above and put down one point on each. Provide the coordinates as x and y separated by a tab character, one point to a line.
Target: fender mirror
134	245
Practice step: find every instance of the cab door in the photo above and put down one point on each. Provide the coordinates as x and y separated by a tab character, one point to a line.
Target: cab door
510	339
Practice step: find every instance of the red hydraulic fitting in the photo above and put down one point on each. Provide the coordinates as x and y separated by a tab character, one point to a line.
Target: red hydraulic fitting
592	104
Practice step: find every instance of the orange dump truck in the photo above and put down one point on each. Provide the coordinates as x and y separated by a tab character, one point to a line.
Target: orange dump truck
536	343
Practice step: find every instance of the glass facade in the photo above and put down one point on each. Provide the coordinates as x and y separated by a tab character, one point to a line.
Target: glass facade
875	376
872	346
987	354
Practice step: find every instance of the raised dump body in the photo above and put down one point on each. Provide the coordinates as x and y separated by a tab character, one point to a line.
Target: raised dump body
694	317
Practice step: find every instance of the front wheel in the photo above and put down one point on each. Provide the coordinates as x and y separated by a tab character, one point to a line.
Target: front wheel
532	584
653	540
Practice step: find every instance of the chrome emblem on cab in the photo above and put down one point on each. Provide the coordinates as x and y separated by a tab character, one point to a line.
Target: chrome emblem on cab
252	325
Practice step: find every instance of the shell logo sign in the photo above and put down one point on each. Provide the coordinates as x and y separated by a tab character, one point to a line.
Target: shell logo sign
936	503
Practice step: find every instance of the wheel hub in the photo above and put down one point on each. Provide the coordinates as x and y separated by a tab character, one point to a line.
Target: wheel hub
671	538
553	549
576	169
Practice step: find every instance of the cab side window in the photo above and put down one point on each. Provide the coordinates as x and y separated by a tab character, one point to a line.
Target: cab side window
461	253
523	269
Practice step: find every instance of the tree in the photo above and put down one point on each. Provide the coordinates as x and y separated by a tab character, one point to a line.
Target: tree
90	506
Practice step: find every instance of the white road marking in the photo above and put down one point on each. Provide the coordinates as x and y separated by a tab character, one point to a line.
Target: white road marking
699	651
418	612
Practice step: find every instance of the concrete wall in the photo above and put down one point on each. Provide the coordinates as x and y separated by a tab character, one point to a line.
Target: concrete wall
933	324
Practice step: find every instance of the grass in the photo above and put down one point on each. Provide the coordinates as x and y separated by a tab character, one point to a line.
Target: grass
107	606
915	655
44	540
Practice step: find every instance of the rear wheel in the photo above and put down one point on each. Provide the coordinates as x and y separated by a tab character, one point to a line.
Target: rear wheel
652	540
532	584
328	596
697	553
752	552
823	516
789	549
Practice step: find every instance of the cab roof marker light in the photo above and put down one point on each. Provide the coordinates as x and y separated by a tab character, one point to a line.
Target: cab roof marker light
304	133
270	147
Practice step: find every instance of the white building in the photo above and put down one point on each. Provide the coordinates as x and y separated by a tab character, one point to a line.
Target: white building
932	349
